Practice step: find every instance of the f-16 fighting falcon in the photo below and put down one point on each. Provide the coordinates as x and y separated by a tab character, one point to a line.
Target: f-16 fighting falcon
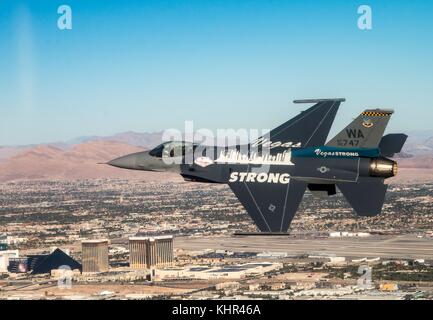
270	175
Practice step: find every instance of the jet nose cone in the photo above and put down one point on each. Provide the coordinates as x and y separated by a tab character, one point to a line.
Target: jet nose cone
126	162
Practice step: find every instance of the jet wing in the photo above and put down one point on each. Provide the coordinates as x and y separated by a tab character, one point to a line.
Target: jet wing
272	206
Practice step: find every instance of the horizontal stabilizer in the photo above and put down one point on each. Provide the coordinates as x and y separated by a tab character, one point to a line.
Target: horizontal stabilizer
392	144
366	197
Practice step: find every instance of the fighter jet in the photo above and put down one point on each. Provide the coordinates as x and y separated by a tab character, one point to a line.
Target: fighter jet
270	175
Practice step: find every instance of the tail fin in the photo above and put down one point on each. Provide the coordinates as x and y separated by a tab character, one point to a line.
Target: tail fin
309	128
366	197
365	131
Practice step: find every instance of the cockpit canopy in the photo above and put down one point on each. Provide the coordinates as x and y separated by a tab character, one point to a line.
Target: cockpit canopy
173	149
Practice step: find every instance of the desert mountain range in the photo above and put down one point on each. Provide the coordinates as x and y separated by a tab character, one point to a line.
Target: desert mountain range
80	159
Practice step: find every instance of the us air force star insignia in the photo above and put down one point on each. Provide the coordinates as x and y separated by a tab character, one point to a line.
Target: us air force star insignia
323	169
367	123
272	207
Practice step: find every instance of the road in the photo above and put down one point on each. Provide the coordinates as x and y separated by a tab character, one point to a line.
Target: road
402	247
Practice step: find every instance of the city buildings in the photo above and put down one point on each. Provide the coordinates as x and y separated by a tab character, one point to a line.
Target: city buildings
311	262
3	242
148	252
5	258
4	263
95	255
238	271
10	261
58	259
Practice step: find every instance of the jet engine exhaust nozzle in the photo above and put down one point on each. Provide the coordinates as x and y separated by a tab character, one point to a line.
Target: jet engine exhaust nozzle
383	168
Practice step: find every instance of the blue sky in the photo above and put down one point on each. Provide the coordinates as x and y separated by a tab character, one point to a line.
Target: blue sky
150	65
